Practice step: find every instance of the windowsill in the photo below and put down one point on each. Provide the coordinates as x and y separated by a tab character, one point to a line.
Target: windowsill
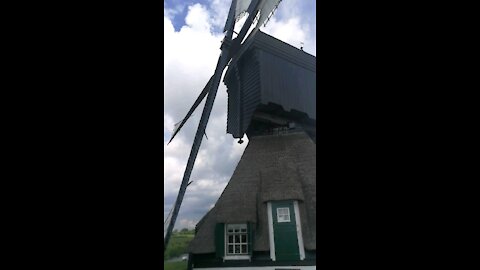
236	257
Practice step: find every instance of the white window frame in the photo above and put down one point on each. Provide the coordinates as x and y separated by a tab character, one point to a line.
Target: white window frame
282	217
236	256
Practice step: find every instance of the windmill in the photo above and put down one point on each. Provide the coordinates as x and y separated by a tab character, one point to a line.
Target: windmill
259	10
266	215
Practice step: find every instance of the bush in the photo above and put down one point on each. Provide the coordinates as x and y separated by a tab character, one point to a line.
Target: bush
178	244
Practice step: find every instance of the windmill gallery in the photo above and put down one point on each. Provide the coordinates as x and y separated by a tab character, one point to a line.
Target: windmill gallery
266	216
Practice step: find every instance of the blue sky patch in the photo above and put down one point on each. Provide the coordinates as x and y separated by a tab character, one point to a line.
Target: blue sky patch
178	10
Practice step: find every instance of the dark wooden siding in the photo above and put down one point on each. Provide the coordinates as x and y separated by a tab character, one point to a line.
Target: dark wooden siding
251	89
243	94
233	115
269	71
287	84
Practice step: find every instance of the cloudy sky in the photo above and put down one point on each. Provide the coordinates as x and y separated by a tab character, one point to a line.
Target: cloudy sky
192	38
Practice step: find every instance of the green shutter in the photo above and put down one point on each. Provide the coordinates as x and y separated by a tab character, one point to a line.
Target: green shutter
251	231
220	239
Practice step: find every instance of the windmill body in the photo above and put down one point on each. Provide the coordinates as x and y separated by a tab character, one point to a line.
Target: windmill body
266	216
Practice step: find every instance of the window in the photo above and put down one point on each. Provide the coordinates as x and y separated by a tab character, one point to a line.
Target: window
283	214
236	239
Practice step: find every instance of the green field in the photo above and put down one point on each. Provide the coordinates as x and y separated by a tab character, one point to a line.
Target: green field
175	265
178	244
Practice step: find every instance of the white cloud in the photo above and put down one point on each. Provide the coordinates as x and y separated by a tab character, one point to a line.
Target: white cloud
219	12
291	24
288	31
198	18
191	54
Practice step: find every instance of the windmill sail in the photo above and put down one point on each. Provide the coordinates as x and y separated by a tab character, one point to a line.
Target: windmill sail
175	127
229	49
167	221
241	8
197	102
267	10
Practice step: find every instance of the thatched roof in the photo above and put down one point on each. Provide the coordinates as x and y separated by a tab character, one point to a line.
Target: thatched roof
273	167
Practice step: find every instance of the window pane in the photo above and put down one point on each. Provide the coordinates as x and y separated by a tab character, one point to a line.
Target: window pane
244	238
283	214
244	229
230	249
237	249
283	211
244	249
237	230
230	239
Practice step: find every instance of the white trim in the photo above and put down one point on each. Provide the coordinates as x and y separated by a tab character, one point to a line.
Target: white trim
312	267
237	257
299	230
270	231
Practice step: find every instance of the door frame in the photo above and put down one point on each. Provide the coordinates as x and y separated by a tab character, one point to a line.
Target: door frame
298	224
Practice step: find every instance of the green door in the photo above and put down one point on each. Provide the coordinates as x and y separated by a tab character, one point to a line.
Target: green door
285	231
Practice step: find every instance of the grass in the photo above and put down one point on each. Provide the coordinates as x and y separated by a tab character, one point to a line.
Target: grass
175	265
178	244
